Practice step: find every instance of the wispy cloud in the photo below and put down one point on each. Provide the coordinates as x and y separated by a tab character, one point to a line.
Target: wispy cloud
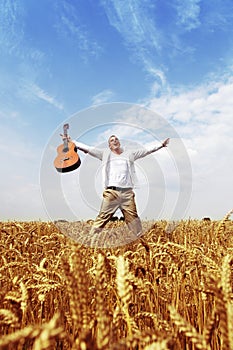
14	34
103	97
218	14
11	25
133	20
70	25
188	13
33	91
160	46
138	24
43	95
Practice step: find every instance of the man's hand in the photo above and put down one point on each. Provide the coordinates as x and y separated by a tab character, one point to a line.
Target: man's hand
64	137
166	142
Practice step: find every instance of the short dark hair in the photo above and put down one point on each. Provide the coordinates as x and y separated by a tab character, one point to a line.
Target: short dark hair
111	137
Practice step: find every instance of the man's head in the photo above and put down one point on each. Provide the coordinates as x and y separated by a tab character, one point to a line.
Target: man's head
114	144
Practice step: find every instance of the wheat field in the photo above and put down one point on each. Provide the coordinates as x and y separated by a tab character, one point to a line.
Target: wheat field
170	289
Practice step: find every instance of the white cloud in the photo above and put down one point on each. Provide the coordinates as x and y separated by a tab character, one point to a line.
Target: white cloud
203	118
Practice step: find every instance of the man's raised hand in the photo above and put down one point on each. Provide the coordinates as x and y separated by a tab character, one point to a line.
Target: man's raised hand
166	142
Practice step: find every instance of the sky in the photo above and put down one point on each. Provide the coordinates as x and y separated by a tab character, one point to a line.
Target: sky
144	69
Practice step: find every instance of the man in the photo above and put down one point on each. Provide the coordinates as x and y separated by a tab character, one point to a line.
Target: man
119	179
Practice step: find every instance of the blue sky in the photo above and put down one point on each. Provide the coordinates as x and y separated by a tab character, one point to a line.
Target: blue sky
175	58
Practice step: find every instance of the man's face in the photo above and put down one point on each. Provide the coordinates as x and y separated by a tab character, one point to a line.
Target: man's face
114	143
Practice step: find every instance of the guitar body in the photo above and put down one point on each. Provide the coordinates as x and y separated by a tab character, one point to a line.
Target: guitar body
67	158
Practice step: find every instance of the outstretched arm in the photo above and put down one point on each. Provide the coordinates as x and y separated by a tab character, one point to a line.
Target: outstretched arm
81	146
144	152
95	152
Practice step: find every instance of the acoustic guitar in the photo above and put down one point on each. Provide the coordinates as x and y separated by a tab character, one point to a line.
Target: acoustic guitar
67	158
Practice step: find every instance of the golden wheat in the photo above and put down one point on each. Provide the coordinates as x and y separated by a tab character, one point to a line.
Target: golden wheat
171	289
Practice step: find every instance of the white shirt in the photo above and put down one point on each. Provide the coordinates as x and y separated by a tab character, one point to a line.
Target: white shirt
129	155
118	171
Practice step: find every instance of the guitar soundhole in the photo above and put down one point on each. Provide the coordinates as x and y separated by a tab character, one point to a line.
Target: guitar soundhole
65	149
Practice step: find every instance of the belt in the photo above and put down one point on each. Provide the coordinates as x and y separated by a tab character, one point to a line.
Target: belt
118	188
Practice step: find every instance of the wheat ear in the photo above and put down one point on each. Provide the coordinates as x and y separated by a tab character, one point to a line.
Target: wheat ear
103	322
124	291
222	225
49	331
8	317
225	304
188	330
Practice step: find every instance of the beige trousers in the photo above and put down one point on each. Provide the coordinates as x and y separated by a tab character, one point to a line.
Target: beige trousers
113	200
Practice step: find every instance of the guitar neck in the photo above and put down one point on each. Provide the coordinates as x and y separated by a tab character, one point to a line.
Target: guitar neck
66	147
65	141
